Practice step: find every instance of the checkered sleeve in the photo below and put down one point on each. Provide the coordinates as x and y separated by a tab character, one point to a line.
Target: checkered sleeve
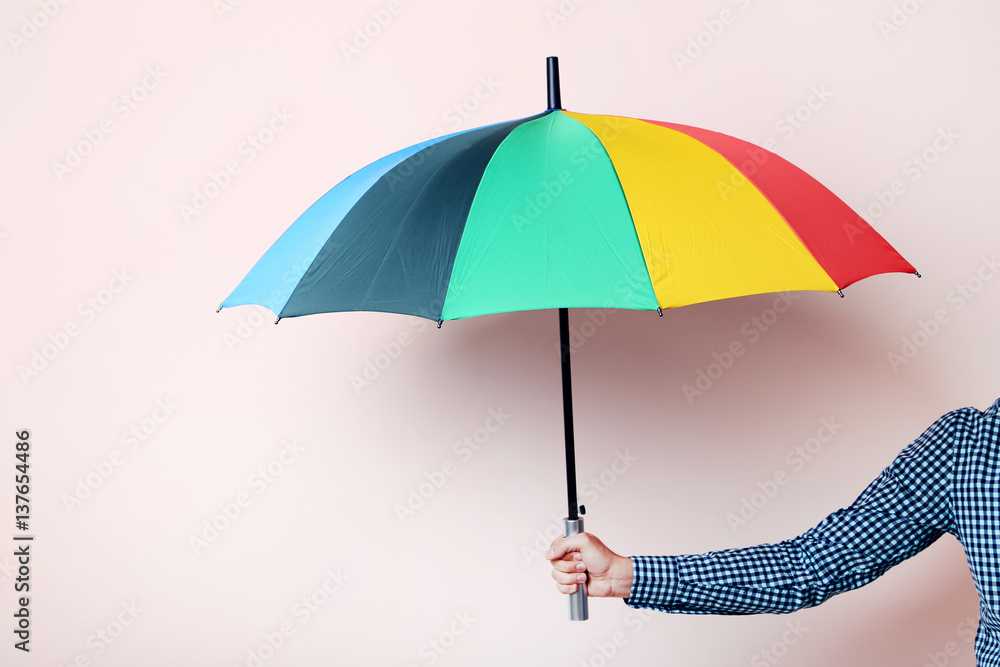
902	512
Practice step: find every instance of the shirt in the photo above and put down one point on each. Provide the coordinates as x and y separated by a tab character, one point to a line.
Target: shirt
946	481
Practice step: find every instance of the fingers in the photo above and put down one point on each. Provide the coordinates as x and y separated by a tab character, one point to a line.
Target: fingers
564	545
569	563
568	590
567	580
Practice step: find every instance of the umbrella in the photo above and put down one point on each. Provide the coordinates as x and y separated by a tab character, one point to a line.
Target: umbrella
565	210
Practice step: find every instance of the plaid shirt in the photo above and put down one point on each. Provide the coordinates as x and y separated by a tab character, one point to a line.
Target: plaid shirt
946	481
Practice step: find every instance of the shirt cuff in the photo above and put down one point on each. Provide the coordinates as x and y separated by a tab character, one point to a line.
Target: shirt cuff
654	582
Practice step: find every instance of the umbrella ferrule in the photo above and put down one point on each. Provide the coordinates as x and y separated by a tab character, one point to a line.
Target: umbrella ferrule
552	72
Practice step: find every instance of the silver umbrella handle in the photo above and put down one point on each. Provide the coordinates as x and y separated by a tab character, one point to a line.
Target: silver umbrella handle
578	600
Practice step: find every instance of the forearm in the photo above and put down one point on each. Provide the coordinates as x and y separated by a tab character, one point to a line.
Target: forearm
762	579
770	578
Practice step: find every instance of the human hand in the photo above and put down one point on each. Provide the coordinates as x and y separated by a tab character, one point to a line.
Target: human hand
584	558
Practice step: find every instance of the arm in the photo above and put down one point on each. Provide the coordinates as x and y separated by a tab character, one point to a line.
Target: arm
902	512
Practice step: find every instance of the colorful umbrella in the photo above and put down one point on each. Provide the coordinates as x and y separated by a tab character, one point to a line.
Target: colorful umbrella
565	210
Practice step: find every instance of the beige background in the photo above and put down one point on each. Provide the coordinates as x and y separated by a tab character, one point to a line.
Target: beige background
152	417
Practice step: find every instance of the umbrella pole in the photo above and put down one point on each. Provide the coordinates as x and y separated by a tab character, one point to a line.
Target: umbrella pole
567	391
555	102
573	523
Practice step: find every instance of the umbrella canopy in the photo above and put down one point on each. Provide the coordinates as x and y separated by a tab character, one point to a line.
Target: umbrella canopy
563	210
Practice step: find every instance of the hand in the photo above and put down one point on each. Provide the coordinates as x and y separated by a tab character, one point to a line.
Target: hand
577	556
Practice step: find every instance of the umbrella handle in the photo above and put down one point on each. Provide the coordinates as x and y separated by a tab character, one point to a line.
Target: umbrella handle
578	600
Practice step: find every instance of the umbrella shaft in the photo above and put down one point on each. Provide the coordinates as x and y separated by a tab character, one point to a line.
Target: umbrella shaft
567	388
